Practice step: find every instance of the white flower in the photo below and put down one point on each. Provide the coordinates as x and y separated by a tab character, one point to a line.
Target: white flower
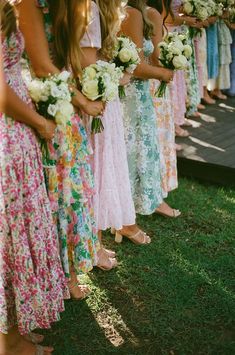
91	90
125	55
175	50
178	44
36	89
131	68
90	72
64	76
52	109
64	112
180	62
188	8
187	51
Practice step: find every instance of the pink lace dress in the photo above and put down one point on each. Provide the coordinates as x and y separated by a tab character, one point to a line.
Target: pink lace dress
32	285
113	202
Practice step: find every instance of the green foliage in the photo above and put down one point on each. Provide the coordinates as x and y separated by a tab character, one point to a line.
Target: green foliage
175	296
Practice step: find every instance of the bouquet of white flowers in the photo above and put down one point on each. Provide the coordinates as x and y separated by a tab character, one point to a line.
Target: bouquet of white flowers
126	57
174	54
227	4
100	81
196	8
52	98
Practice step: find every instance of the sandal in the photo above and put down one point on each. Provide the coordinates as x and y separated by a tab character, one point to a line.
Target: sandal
180	132
187	123
201	107
110	253
112	263
34	338
175	213
208	101
195	115
84	290
145	239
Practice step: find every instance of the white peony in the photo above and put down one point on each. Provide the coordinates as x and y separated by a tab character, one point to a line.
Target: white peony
187	51
91	90
180	62
125	55
90	72
36	89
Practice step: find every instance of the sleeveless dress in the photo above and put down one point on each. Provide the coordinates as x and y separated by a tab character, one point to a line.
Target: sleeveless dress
70	186
231	90
178	86
225	57
142	145
212	54
113	203
32	284
166	138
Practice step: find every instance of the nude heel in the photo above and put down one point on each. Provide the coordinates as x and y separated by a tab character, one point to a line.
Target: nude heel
118	237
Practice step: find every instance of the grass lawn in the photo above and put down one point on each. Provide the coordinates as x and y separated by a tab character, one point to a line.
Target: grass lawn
175	296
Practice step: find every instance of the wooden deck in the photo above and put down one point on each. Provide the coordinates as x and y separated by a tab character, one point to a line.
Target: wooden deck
209	152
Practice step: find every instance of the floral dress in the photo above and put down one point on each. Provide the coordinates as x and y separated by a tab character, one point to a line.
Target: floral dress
166	137
70	186
32	284
231	90
225	56
113	203
142	145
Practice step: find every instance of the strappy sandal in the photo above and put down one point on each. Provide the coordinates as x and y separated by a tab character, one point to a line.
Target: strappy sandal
40	350
133	238
110	253
112	263
85	291
34	338
175	214
181	132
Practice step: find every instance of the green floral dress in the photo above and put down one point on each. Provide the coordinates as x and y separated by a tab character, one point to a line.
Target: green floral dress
70	187
143	152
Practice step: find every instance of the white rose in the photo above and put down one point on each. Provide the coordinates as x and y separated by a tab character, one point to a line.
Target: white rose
125	55
64	112
169	56
36	88
90	72
180	62
135	56
178	44
188	8
111	92
175	50
52	109
90	89
64	75
188	51
202	12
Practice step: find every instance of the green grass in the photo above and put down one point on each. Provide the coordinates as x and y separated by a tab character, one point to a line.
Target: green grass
175	296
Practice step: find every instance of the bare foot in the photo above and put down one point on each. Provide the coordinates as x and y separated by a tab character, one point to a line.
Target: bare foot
78	292
218	94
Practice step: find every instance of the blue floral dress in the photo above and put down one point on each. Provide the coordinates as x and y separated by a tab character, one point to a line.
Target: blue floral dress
142	146
70	186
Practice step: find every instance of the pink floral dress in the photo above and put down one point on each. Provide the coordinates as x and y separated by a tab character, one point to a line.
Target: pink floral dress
32	285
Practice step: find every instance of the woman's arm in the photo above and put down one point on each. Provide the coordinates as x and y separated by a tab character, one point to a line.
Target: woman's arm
32	26
17	109
132	27
2	91
156	19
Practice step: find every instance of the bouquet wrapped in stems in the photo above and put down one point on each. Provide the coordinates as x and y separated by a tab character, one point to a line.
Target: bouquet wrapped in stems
174	54
126	57
52	98
100	81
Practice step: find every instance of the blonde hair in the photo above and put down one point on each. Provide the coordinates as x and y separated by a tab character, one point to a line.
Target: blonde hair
69	21
8	18
111	12
141	6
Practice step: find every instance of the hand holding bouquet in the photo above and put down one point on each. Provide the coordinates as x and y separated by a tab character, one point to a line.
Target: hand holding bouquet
126	57
100	81
174	55
52	98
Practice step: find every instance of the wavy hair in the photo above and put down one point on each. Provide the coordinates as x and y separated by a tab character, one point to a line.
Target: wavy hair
69	21
160	6
8	18
141	6
111	14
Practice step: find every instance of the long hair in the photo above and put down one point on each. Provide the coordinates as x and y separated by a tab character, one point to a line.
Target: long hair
111	12
141	6
8	18
69	21
161	6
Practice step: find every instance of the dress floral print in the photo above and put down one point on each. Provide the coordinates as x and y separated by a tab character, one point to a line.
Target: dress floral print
32	284
142	145
70	186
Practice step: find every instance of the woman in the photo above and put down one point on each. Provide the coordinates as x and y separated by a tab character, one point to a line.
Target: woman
140	116
231	91
164	112
31	277
114	207
59	26
212	53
